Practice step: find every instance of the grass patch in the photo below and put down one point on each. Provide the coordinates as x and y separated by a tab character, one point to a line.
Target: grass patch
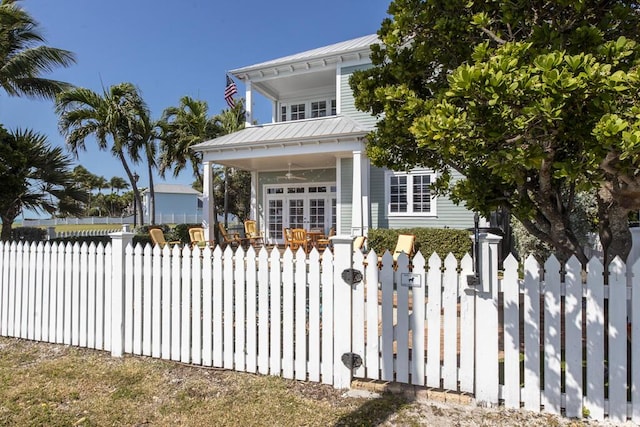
55	385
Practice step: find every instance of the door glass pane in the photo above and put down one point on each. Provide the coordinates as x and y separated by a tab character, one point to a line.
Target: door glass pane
316	214
275	219
296	213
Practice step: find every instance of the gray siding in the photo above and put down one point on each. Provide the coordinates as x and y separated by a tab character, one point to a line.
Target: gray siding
448	214
347	107
346	194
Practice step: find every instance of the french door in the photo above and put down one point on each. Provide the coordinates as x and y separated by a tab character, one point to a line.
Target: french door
311	207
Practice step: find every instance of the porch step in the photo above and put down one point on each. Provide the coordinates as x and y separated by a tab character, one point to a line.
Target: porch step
413	392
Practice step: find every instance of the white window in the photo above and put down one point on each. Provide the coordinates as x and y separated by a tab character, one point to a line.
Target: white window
310	109
410	194
319	109
297	112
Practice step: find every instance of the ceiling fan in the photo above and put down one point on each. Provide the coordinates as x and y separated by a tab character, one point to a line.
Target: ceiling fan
290	176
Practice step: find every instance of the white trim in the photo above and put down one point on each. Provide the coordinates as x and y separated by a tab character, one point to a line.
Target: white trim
338	195
248	108
410	214
314	146
306	196
355	62
338	90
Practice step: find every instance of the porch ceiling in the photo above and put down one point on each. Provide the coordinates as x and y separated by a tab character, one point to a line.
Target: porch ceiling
306	144
281	163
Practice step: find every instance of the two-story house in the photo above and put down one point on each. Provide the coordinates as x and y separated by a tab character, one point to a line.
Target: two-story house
309	167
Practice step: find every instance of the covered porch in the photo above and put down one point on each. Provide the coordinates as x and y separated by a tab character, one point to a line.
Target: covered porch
310	174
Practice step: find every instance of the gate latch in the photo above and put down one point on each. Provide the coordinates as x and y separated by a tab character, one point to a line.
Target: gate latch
352	276
352	360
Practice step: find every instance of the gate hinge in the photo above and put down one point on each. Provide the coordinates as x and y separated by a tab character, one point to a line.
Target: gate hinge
352	276
352	360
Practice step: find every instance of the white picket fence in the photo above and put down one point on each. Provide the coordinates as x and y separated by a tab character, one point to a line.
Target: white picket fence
546	342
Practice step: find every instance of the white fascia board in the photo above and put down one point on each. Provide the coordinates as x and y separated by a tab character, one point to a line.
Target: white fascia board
284	149
365	60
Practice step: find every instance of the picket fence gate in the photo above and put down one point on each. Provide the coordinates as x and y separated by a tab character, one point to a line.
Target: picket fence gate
554	341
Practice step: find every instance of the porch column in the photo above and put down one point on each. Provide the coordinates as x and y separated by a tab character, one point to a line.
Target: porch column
360	195
208	211
253	203
248	108
366	210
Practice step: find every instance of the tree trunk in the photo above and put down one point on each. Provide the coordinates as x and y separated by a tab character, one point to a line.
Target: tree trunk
152	197
7	223
613	227
134	185
5	235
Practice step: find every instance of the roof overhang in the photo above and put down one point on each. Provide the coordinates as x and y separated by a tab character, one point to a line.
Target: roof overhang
307	144
311	69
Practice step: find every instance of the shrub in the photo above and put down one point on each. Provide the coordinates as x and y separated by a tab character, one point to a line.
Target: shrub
83	239
28	234
428	240
181	232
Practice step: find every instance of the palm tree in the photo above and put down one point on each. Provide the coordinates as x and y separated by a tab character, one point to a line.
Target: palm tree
34	176
144	138
115	114
181	127
229	121
117	184
23	58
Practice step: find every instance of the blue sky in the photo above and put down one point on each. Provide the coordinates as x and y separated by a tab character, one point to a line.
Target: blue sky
172	49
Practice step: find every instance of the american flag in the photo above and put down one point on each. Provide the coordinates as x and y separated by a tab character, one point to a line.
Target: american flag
229	91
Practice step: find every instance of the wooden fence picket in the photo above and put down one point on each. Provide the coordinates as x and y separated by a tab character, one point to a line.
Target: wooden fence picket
239	303
401	308
594	399
288	313
328	308
434	323
617	327
635	339
300	287
467	317
196	306
532	334
511	327
573	338
552	336
314	353
275	314
450	323
251	346
417	323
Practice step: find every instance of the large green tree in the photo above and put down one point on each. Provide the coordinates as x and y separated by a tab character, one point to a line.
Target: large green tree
34	176
112	118
24	57
525	99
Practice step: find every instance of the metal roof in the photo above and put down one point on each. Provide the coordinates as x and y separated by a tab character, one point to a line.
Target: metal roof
336	49
174	189
324	128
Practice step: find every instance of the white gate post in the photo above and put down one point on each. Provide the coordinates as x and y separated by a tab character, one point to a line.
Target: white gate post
119	242
486	324
342	261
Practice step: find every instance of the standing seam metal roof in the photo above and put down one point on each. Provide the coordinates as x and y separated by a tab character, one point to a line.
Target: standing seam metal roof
334	49
320	128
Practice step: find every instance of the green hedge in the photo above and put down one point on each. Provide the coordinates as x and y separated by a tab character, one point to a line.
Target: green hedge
83	239
28	234
428	240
